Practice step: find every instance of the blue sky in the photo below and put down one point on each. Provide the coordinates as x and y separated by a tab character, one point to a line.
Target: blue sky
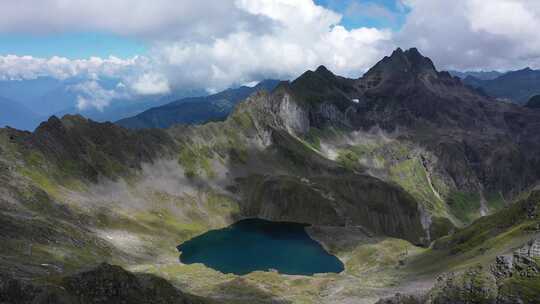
72	45
368	13
75	45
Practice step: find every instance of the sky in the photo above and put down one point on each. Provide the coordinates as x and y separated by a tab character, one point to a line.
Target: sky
158	46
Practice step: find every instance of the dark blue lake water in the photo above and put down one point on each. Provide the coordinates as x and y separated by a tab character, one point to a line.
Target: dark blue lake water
255	244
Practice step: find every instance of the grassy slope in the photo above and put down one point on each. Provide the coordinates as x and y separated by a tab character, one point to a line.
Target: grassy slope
480	242
144	238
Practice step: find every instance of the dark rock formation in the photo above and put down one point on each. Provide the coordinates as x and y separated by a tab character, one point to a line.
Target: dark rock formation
534	102
105	284
404	93
90	149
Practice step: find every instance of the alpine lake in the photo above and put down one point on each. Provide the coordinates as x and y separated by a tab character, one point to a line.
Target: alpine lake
258	245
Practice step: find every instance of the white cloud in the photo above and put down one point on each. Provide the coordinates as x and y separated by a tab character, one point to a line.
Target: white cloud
151	84
207	44
154	20
91	95
302	36
475	34
28	67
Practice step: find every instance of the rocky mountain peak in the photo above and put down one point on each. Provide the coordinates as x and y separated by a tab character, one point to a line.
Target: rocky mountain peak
409	62
324	72
317	77
405	70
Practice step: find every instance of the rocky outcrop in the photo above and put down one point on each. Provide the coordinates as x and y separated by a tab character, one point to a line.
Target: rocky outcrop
520	263
513	278
475	286
472	286
105	284
279	109
534	102
90	149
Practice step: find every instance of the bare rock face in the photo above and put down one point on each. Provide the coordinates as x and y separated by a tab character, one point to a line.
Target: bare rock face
294	117
279	110
520	263
503	267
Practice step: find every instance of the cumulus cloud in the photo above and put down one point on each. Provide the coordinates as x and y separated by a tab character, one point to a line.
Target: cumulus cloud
154	20
90	94
474	34
151	84
27	67
302	36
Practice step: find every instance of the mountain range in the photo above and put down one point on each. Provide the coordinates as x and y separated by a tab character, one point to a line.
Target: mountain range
47	96
482	75
515	86
194	110
421	186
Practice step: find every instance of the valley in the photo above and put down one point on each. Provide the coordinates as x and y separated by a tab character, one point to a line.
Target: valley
394	185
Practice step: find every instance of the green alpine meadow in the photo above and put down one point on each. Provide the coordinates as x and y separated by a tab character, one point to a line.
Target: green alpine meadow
269	152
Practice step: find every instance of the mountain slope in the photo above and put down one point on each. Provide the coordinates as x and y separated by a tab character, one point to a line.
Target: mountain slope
380	166
497	257
194	110
517	86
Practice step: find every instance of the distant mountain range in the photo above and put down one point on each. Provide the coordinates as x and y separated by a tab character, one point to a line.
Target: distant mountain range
515	86
34	100
27	102
195	110
47	95
484	75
